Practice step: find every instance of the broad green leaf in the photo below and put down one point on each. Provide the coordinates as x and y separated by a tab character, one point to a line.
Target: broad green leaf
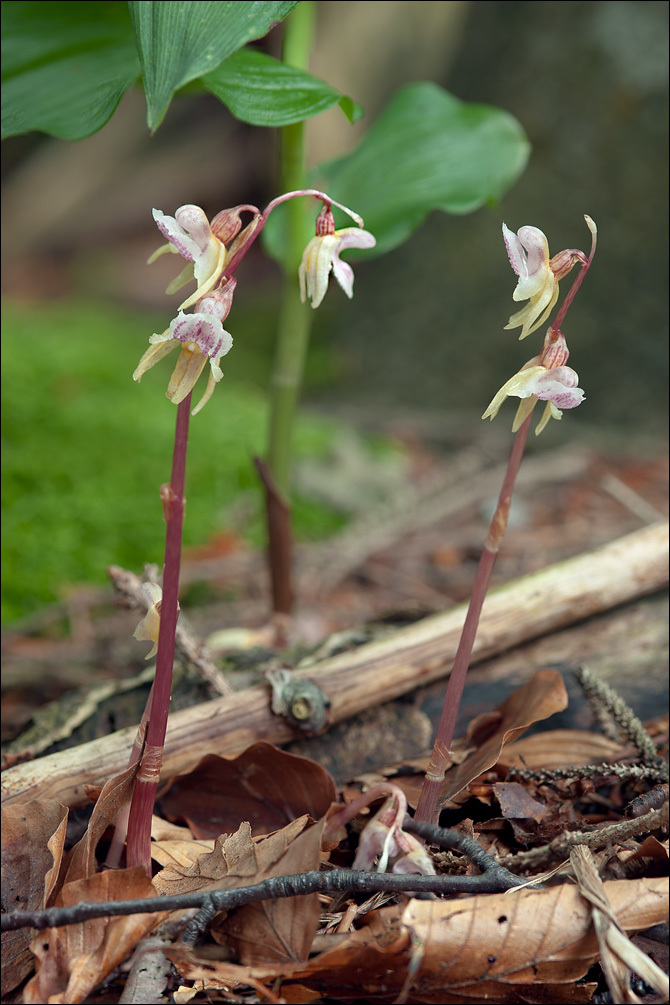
180	40
426	151
265	92
65	65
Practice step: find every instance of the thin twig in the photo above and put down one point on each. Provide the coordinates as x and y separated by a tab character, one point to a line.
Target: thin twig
453	841
560	847
213	901
575	772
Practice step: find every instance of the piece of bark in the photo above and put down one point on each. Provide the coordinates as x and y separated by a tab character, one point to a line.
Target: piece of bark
631	567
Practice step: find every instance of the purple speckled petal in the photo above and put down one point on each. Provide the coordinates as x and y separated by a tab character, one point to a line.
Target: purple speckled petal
169	228
205	330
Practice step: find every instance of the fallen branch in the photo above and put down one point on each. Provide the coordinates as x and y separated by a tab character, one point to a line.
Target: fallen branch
211	902
631	567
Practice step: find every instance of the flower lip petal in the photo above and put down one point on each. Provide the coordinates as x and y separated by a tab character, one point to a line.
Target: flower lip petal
560	395
205	330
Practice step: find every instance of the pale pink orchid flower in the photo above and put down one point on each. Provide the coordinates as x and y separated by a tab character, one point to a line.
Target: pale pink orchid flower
189	234
384	839
321	256
202	337
542	378
528	252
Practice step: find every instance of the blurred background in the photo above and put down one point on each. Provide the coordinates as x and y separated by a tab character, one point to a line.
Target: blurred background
415	357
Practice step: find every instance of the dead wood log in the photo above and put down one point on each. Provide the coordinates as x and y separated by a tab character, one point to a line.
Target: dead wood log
571	591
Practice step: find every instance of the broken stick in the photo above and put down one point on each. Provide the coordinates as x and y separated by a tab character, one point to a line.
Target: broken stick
622	571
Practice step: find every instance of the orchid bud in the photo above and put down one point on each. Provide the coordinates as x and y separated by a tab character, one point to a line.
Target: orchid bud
226	224
555	350
219	301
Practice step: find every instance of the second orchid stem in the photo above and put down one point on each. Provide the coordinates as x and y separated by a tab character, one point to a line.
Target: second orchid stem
428	809
294	317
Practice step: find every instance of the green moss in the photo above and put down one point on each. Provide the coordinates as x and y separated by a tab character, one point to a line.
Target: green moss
85	450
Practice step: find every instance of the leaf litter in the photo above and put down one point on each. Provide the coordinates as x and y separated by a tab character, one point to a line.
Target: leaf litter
230	823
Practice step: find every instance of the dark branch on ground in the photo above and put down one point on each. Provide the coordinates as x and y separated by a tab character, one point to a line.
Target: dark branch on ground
494	879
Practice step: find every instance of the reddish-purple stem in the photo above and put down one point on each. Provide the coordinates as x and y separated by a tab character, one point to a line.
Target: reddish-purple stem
427	808
138	850
579	279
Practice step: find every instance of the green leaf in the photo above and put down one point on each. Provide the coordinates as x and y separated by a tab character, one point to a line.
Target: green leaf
66	65
426	151
180	40
265	92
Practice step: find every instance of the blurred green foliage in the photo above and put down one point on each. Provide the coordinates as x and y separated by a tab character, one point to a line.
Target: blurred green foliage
85	450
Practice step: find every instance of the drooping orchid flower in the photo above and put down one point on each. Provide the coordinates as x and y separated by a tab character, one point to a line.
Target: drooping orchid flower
189	234
321	256
383	838
202	337
542	378
539	275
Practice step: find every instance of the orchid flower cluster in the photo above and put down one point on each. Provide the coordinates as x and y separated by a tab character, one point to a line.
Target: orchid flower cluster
213	251
544	377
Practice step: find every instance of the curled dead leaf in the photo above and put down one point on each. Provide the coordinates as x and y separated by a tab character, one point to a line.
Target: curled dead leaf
542	696
265	785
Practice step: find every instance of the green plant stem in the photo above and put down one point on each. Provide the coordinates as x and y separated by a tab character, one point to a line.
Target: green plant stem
294	317
138	851
427	808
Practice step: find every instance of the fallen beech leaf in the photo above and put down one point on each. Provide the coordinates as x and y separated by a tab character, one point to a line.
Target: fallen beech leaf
278	930
73	959
516	804
33	835
235	860
543	695
270	931
264	785
520	946
559	748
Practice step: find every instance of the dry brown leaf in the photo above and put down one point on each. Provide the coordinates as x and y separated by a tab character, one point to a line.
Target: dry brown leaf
273	930
517	804
73	959
232	862
542	696
33	835
498	948
651	847
264	785
560	748
279	930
